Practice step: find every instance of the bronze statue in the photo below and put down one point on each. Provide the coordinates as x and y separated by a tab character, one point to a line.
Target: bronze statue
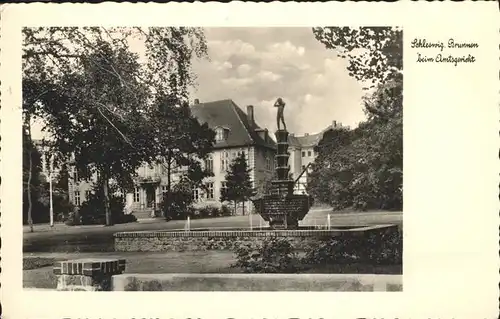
281	108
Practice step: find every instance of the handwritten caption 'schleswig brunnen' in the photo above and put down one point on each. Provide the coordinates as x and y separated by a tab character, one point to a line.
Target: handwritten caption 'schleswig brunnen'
457	56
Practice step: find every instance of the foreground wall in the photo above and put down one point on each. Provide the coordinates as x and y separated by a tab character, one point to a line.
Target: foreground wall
256	282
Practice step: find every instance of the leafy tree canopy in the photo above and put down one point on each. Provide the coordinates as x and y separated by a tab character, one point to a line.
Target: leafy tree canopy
374	53
363	168
78	79
102	102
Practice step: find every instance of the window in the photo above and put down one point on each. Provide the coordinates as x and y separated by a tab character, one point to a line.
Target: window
76	178
196	194
87	195
303	154
268	162
77	198
309	153
210	190
219	134
136	195
242	153
209	164
224	161
164	189
223	187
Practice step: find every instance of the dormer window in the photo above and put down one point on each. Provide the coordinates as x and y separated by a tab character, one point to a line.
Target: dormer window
262	134
221	133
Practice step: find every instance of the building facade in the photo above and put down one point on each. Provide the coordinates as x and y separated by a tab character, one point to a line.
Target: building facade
236	133
302	153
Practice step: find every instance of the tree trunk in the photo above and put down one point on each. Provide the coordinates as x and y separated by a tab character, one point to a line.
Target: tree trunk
235	212
107	209
30	173
30	204
169	186
243	208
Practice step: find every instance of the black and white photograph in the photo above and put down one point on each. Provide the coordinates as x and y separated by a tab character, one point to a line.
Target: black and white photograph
212	159
277	160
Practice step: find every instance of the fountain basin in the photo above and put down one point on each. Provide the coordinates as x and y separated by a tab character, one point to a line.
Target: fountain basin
231	239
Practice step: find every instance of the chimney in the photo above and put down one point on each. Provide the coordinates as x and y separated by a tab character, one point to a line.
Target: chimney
291	134
334	124
251	119
196	101
306	134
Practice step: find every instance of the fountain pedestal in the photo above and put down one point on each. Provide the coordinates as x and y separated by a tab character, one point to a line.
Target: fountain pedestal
280	206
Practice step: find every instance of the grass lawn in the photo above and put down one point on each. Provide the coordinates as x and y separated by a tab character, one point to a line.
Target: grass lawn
37	271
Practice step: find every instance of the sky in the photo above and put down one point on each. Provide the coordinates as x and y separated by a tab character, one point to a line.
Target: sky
255	66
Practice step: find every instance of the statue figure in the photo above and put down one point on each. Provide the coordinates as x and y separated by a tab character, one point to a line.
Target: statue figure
281	108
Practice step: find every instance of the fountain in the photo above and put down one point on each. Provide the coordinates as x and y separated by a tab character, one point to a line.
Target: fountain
281	207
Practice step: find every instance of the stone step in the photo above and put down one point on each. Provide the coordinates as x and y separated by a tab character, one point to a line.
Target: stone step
142	213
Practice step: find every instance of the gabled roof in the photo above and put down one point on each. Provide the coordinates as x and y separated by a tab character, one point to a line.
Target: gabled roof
310	140
225	113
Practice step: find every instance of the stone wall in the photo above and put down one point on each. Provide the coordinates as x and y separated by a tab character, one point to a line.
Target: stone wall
256	282
225	240
97	274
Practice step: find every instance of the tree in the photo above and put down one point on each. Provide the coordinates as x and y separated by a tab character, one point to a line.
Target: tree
34	184
96	96
77	111
238	182
375	54
182	144
363	168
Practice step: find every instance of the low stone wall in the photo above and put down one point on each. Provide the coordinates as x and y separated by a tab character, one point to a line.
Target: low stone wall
107	275
256	282
229	240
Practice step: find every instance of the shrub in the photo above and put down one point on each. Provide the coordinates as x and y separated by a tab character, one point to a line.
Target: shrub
92	211
377	248
386	248
126	218
336	251
177	204
72	219
207	212
226	211
62	207
275	255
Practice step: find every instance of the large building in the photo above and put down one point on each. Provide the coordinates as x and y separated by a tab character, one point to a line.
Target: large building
236	132
302	153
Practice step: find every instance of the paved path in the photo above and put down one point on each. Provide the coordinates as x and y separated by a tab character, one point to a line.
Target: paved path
62	237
